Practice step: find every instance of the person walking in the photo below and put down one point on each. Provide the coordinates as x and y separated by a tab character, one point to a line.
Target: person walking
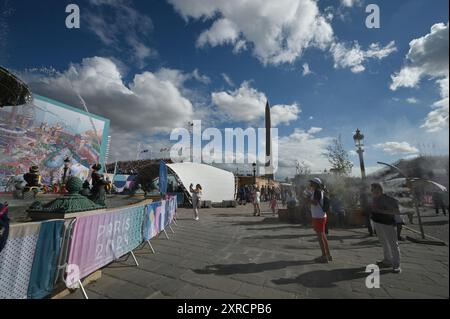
257	201
274	206
383	211
196	197
316	198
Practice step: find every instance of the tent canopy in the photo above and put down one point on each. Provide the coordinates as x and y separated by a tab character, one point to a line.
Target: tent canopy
218	185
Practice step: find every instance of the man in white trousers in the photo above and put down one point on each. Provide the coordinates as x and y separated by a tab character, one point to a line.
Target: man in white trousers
383	211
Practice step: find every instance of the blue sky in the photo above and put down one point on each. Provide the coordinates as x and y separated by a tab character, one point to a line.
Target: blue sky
153	65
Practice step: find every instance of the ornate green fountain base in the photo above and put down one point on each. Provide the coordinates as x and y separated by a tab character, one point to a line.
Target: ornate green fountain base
69	206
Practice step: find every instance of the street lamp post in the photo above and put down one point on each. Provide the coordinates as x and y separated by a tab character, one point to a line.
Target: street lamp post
359	139
254	173
359	143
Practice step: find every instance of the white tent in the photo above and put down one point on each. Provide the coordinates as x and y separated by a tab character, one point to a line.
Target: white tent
218	185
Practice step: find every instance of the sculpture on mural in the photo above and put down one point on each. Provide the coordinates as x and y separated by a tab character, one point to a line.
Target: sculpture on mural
98	191
72	202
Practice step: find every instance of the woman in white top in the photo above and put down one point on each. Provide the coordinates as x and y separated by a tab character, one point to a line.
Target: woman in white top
257	201
196	197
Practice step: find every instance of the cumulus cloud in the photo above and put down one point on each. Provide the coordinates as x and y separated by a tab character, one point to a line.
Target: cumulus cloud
277	31
304	147
151	103
144	110
247	104
396	148
122	28
438	118
428	57
306	69
284	114
412	100
353	56
315	130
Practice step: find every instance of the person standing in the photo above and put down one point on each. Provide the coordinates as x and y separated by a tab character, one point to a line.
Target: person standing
316	197
438	202
196	198
274	206
383	211
98	192
257	200
338	210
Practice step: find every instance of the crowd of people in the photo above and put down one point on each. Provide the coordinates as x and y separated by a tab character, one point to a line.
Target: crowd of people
317	206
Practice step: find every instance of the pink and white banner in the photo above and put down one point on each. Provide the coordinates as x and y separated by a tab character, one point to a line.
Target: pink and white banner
99	239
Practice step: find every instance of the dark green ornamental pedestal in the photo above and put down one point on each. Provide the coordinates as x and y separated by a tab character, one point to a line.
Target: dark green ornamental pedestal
65	207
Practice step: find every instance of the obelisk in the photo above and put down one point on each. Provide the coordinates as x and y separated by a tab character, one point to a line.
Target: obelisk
269	163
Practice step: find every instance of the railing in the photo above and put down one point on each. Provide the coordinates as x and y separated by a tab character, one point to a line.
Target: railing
37	256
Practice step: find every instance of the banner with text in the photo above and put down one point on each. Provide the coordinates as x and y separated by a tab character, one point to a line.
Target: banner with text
99	239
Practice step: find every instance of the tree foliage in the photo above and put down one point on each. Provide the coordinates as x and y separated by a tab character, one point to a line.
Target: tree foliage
338	157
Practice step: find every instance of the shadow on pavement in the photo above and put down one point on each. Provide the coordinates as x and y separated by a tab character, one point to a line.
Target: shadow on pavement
265	221
326	278
436	223
249	268
277	228
273	237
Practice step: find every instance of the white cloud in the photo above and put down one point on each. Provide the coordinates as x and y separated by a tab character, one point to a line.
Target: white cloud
247	104
315	130
200	77
284	114
223	31
277	31
428	57
303	147
353	57
227	79
438	118
151	103
353	153
395	148
350	3
306	69
121	28
412	100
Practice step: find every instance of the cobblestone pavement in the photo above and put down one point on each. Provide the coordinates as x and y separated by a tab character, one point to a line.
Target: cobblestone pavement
434	225
230	254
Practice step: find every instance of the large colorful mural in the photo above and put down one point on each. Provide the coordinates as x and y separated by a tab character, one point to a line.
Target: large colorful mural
44	134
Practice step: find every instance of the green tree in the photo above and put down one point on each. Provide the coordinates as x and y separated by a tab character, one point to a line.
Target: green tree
338	157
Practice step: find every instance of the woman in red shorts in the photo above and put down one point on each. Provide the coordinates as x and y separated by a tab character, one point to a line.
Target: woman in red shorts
319	217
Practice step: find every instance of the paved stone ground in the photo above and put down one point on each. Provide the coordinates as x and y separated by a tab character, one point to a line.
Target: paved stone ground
434	225
230	254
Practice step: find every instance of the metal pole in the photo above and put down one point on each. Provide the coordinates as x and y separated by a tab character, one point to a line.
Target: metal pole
134	257
361	163
82	290
151	247
416	206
